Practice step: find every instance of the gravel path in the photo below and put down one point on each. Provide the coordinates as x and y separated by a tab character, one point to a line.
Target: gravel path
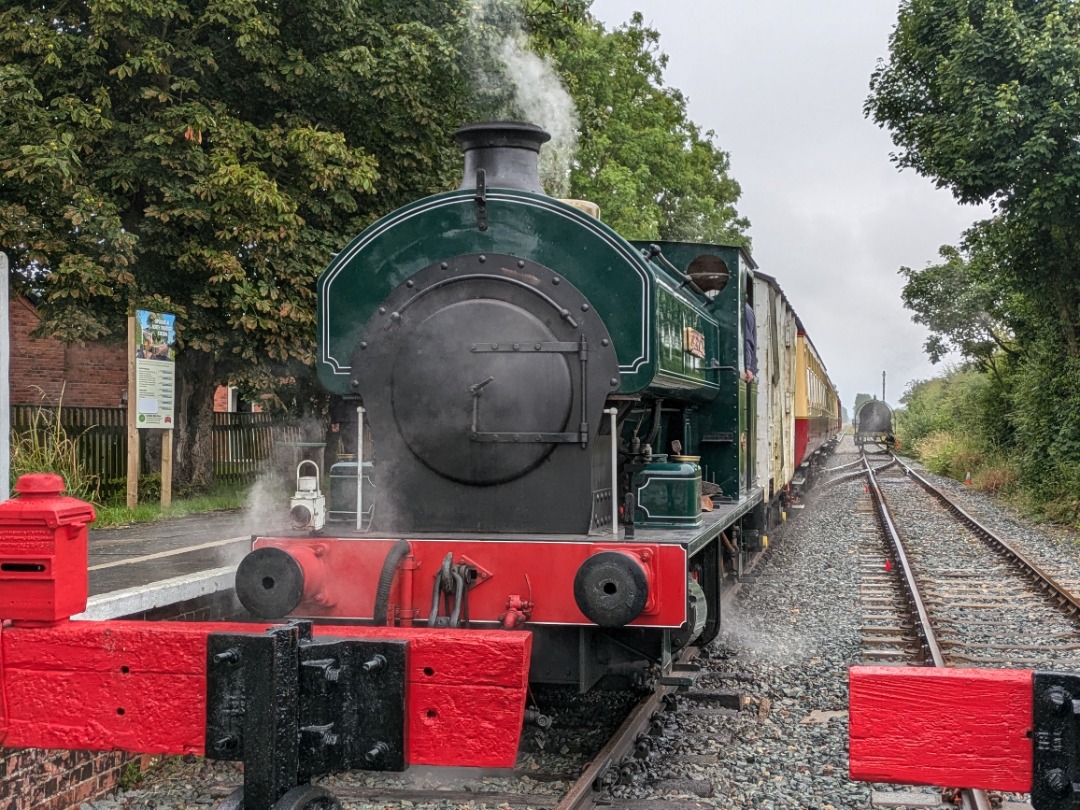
787	644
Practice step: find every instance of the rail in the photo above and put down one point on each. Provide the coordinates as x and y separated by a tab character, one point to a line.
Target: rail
972	798
1045	581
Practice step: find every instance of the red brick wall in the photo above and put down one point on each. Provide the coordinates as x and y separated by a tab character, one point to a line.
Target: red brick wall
48	779
93	375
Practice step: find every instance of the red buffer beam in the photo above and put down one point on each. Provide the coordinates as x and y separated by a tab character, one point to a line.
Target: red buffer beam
141	686
967	728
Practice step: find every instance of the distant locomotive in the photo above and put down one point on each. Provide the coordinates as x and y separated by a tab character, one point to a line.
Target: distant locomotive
874	424
549	403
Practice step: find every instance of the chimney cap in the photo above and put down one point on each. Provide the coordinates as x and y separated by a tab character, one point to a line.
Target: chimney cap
513	134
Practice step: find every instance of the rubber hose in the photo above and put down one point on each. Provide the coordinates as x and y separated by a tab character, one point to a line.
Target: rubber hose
386	577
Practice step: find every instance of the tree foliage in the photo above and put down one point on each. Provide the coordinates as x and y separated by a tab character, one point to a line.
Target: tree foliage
983	97
964	301
207	159
653	172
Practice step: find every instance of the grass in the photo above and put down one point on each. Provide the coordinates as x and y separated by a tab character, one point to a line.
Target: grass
112	515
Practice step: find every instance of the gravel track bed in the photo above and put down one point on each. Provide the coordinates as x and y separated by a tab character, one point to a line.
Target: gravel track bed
986	612
1055	549
786	643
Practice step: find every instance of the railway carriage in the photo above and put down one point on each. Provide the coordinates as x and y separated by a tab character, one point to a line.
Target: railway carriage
817	409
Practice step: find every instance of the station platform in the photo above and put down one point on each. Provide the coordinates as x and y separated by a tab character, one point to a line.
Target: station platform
138	568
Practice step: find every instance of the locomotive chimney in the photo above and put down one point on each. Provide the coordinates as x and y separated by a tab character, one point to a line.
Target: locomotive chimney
507	151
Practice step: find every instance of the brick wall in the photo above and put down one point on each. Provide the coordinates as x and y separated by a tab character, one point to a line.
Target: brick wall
35	779
94	374
47	779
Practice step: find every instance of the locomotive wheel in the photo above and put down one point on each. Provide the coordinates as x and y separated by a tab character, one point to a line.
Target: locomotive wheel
307	797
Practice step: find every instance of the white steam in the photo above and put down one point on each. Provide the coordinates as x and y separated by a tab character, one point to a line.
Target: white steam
517	84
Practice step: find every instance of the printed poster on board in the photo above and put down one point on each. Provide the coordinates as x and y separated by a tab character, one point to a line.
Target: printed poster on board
155	377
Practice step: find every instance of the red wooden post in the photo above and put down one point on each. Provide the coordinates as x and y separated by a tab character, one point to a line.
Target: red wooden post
968	728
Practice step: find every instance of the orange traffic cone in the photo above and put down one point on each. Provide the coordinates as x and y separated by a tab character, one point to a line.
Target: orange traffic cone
967	480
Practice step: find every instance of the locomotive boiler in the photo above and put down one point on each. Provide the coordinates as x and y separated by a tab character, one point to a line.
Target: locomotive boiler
547	402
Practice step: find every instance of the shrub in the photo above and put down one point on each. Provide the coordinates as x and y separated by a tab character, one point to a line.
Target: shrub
999	478
45	447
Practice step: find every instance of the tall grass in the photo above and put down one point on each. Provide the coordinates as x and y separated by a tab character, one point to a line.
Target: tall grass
45	447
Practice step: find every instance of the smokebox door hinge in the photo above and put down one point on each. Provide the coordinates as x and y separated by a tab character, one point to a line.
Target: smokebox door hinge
481	200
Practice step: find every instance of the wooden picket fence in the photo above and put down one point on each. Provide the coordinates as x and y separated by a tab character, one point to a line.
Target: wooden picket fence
243	442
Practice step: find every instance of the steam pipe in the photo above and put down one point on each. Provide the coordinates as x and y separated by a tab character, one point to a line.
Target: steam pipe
359	467
614	413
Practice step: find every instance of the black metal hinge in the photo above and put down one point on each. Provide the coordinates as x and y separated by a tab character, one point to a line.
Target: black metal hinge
481	200
292	707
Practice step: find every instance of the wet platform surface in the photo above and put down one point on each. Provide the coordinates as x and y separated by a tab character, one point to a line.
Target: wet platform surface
146	553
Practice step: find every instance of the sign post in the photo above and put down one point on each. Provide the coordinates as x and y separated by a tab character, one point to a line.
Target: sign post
152	392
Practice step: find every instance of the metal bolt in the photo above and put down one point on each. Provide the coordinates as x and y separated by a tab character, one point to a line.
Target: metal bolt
363	344
377	752
230	656
517	346
605	342
521	262
1056	698
483	258
614	382
332	674
556	280
1058	781
584	307
375	664
538	346
443	266
395	316
355	385
226	743
382	310
410	283
328	738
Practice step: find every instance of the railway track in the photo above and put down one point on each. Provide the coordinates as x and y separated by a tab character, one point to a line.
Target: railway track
945	590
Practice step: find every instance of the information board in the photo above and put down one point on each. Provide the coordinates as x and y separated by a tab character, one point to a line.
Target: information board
155	376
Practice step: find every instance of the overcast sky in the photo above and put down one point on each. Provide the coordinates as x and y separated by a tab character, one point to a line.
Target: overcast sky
782	83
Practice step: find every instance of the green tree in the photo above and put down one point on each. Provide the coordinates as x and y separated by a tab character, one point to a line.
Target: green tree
983	96
653	172
963	302
207	159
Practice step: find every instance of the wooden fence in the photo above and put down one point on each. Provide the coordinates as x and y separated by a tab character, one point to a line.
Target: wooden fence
243	442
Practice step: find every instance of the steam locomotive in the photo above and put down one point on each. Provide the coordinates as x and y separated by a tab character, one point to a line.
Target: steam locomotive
874	425
570	462
564	440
